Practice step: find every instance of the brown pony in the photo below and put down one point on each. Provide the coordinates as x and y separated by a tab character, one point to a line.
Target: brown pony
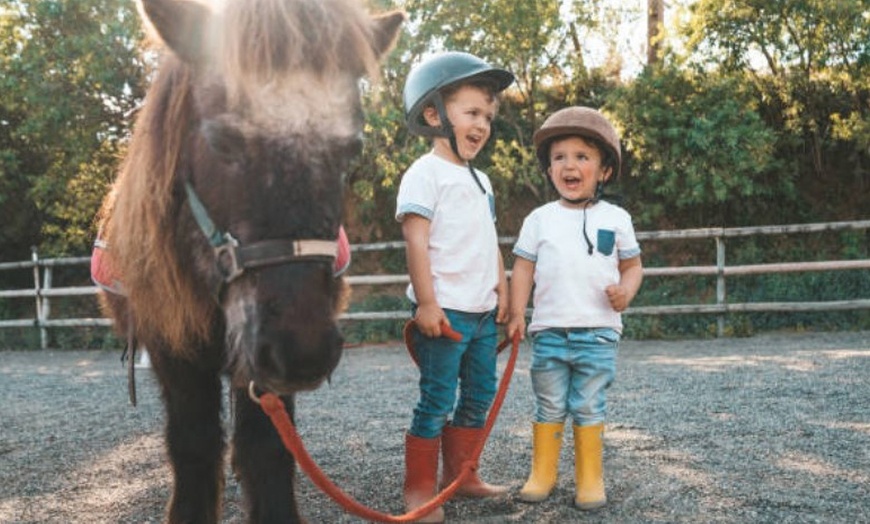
223	222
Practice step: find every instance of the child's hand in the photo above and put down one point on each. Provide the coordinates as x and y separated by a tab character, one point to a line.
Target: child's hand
517	324
502	313
429	318
618	297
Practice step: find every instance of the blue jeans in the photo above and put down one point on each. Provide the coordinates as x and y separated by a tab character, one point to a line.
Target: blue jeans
571	369
469	364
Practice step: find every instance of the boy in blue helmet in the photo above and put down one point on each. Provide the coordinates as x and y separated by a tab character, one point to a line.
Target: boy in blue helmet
447	212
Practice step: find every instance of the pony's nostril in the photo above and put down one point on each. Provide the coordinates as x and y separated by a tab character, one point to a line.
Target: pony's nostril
299	359
268	358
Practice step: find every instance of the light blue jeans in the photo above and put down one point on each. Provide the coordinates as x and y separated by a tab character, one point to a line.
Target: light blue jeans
571	369
444	365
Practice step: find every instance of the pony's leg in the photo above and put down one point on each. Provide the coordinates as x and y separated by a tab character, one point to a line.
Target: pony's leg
263	466
194	436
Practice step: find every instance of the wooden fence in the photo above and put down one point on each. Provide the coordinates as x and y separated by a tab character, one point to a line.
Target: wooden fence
43	292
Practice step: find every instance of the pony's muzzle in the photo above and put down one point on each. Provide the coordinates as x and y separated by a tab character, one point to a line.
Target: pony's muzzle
299	360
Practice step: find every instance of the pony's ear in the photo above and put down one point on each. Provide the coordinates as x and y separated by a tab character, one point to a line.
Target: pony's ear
385	31
181	25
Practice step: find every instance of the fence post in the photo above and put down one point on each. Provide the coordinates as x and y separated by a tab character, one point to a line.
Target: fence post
43	334
47	272
720	284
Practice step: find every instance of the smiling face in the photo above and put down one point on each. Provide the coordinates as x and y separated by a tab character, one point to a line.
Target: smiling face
576	169
471	110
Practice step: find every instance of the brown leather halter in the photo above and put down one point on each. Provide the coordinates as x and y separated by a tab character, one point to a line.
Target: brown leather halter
233	259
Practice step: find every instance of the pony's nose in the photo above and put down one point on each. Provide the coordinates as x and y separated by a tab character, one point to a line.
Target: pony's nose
292	360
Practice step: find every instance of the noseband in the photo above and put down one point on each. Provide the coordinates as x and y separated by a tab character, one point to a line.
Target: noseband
233	259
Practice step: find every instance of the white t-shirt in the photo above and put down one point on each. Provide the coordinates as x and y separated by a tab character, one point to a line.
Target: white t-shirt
463	245
569	282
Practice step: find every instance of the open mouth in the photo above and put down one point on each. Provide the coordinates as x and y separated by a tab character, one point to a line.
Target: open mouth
572	183
474	141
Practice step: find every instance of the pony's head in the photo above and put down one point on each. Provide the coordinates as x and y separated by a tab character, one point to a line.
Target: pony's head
256	109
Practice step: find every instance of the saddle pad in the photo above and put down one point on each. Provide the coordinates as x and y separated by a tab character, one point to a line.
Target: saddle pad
342	258
102	272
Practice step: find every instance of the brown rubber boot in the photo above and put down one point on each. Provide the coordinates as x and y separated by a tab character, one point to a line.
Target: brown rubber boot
458	445
588	468
421	474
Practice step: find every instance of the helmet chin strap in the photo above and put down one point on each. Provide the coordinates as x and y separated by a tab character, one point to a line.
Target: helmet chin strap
447	129
599	189
455	149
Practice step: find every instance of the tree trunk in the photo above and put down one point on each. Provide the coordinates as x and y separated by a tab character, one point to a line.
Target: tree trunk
655	26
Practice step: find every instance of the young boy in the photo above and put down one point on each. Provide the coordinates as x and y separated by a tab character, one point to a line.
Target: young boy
582	256
447	211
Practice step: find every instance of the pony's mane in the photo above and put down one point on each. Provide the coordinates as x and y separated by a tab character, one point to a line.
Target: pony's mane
138	217
259	42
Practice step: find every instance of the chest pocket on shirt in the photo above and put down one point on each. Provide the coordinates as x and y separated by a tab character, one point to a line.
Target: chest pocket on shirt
606	241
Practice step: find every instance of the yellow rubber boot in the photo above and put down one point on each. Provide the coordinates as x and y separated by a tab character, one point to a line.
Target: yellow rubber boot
588	469
421	474
546	445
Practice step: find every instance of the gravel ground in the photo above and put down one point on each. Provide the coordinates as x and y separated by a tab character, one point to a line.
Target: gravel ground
772	429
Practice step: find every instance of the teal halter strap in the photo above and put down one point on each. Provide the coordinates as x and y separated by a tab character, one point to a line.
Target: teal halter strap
213	234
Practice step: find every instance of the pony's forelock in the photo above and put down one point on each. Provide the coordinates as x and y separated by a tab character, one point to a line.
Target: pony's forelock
265	42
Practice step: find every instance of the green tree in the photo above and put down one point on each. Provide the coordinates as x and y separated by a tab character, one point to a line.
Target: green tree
809	62
70	72
701	156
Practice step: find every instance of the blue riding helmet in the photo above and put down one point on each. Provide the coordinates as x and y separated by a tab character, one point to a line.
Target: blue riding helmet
426	80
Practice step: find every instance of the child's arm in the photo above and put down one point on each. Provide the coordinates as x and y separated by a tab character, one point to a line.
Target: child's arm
630	277
521	286
501	290
415	229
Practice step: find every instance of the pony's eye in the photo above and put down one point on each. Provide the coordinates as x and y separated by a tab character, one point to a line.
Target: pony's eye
224	140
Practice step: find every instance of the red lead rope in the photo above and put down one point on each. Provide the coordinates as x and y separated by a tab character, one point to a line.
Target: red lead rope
275	409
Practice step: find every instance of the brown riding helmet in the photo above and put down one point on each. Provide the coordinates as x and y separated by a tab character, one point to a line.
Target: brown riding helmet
577	121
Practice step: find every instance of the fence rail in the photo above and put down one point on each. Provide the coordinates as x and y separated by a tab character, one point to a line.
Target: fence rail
43	290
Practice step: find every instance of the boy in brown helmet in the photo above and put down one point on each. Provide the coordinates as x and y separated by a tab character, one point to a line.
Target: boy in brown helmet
581	255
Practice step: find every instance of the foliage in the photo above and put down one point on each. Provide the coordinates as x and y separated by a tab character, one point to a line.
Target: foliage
375	331
70	70
809	61
698	149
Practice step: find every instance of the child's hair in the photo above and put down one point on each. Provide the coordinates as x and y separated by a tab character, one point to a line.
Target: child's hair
608	159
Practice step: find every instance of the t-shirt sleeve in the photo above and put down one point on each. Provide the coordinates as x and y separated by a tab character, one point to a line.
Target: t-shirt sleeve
526	245
626	241
417	194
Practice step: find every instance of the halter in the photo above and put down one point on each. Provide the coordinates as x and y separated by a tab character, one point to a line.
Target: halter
232	259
